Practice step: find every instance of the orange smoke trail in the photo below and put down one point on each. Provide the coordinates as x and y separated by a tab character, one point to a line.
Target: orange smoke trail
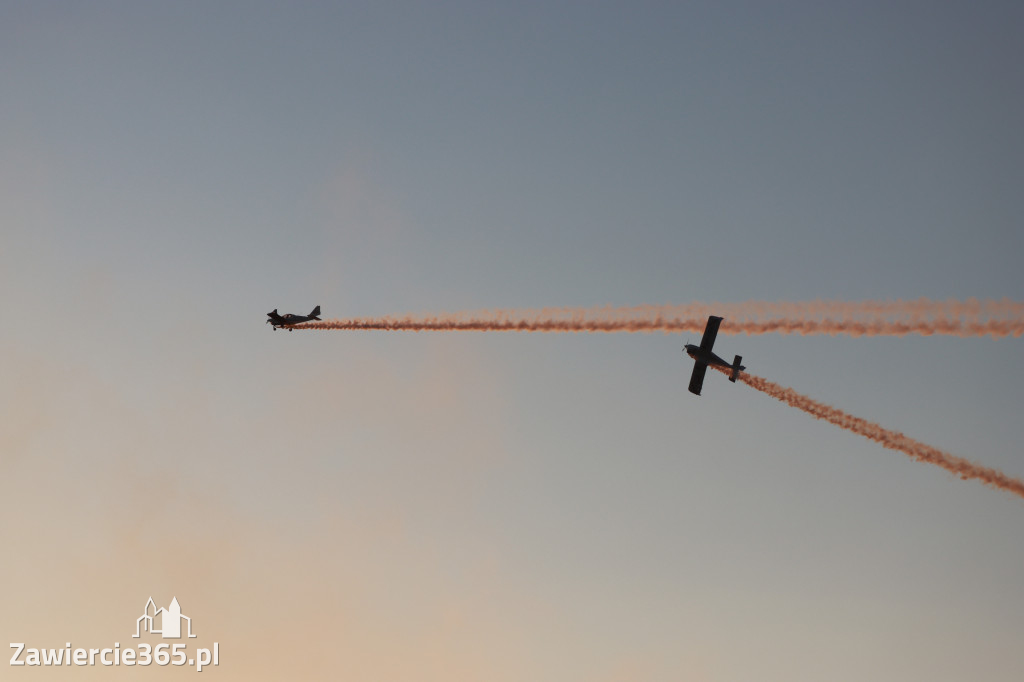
893	440
971	317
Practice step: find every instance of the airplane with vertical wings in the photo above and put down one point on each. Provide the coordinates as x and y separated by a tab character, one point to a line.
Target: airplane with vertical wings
289	320
702	357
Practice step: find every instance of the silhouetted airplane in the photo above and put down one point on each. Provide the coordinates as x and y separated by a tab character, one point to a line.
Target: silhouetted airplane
702	357
289	320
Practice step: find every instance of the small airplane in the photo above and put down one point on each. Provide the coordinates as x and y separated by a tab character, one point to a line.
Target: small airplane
702	357
289	320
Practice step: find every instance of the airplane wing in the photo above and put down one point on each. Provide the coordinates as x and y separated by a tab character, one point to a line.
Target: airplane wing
710	333
697	378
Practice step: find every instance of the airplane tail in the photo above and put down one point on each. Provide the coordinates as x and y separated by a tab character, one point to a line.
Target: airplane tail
313	315
736	368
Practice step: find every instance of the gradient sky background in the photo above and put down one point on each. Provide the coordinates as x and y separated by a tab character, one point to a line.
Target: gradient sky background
373	506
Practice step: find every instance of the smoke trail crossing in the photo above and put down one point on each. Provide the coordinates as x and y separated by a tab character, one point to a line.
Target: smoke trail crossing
966	318
893	440
970	317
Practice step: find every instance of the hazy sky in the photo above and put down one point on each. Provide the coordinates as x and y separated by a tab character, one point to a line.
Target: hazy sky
374	506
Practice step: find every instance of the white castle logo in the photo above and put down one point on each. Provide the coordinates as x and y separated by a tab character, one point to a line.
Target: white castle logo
170	621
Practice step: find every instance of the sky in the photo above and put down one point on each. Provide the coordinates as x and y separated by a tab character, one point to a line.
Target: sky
469	506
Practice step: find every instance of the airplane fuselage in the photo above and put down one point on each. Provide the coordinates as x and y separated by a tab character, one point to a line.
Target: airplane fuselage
705	356
289	319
